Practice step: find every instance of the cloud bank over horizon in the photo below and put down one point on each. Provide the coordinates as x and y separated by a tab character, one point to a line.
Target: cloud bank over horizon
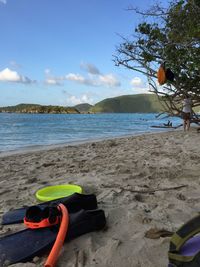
73	100
94	77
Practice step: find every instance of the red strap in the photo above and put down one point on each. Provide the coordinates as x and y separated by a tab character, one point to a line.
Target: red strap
41	224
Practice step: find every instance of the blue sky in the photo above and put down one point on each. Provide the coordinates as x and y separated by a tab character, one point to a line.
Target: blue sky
60	52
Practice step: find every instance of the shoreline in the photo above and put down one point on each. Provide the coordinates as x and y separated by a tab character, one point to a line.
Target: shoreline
37	148
143	182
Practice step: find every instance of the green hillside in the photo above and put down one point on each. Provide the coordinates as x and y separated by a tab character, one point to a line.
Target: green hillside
84	108
141	103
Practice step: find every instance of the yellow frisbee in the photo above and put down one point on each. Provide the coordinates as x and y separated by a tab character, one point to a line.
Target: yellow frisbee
57	191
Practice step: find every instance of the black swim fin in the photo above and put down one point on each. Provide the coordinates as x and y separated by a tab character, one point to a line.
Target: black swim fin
73	203
24	245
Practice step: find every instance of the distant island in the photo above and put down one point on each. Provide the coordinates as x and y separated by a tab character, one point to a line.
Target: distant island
34	108
140	103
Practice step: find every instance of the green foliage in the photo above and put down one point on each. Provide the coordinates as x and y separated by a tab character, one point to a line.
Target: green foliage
172	36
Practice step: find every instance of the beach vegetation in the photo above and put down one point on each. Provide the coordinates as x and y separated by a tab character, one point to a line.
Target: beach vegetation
167	35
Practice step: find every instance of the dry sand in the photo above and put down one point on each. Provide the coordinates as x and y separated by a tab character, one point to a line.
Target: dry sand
129	176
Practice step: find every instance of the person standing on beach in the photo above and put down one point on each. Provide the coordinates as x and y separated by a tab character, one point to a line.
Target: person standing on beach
186	112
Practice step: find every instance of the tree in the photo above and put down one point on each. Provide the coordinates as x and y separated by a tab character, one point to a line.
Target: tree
170	35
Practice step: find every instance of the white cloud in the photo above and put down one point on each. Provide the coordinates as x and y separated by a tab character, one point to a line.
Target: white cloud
3	1
82	80
8	75
93	78
74	100
109	80
138	86
137	82
71	100
53	82
75	77
141	90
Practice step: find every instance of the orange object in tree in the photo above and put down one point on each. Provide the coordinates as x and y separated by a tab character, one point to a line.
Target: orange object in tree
53	256
161	75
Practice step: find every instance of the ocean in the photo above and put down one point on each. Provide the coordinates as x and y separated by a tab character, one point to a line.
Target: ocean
22	131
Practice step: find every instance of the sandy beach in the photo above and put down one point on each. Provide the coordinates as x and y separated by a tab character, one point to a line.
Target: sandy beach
144	184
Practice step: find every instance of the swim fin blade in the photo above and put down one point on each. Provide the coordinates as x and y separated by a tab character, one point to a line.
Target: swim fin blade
73	203
24	245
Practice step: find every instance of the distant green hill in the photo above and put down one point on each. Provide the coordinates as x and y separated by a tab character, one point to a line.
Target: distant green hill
85	107
141	103
34	108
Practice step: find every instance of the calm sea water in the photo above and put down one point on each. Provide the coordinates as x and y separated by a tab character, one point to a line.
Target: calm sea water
18	131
